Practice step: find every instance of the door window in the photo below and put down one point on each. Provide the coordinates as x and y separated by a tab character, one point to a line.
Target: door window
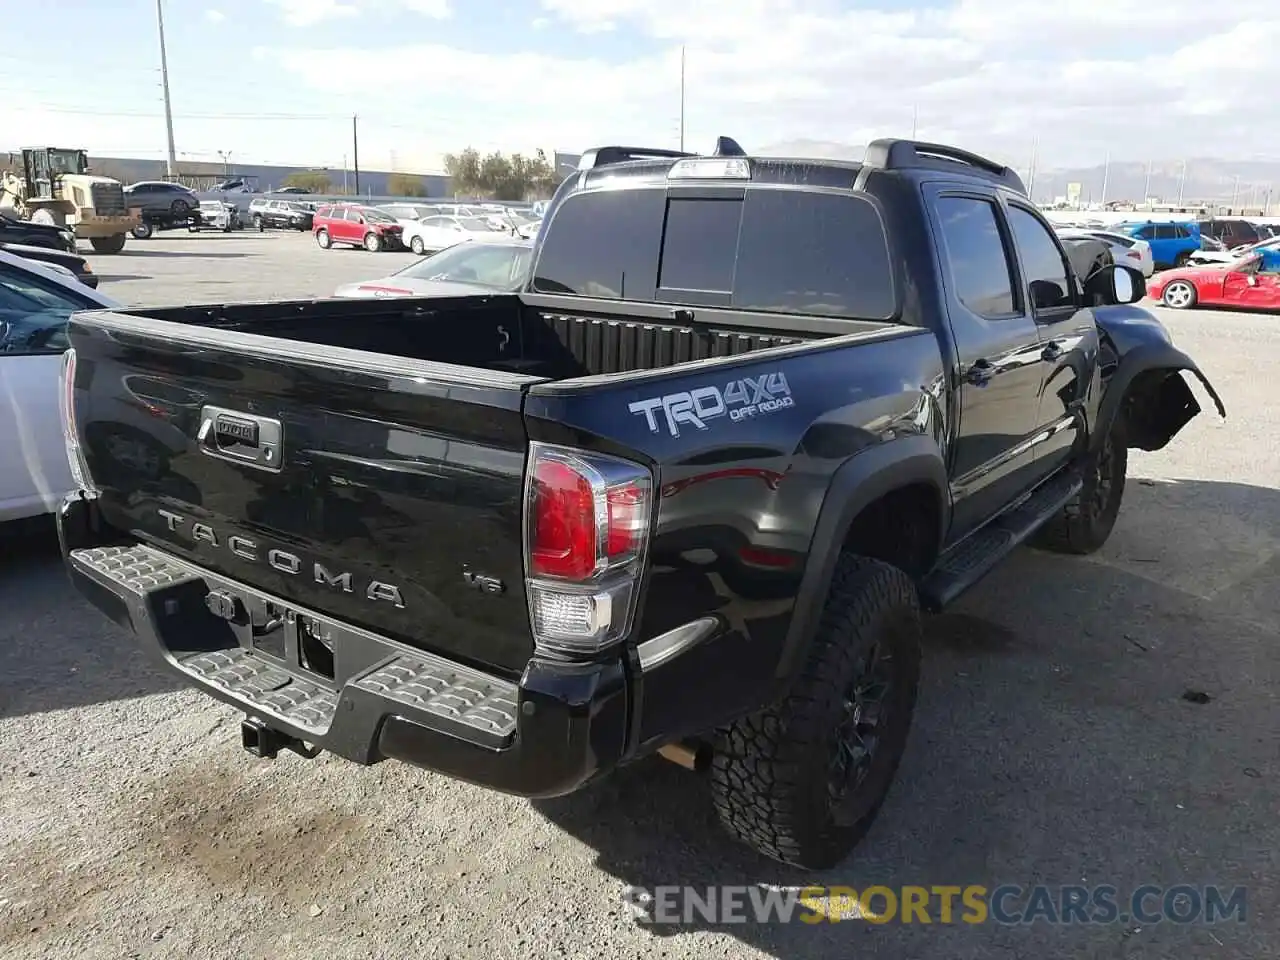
977	262
1049	285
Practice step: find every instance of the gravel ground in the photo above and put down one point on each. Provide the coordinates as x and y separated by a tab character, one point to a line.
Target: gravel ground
1052	744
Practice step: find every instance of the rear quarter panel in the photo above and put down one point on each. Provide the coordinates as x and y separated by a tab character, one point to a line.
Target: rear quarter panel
744	452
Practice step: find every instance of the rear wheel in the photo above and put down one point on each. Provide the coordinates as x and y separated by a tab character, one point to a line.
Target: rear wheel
142	231
372	242
417	246
1180	295
803	780
323	238
111	244
180	209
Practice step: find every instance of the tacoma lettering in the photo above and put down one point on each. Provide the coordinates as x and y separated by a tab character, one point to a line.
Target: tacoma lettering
281	560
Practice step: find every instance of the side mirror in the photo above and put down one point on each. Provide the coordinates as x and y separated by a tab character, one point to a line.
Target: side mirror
1115	284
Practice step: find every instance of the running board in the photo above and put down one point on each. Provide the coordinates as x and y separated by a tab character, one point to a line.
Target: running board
964	564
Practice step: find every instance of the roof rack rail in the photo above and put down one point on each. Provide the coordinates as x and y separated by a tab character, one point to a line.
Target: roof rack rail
892	154
602	156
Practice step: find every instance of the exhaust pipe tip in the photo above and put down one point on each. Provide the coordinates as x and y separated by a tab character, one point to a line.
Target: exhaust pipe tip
691	756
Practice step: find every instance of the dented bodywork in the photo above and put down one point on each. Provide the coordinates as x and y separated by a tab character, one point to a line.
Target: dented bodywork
1146	386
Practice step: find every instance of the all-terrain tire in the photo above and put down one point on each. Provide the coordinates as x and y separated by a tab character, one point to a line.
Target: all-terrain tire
772	772
1085	523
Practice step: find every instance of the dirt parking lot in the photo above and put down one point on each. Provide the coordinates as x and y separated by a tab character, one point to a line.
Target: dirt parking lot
1054	744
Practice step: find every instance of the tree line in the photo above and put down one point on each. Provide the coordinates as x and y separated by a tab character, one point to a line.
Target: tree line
494	176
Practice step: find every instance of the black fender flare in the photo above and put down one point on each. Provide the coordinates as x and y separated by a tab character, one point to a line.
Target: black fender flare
861	480
1143	358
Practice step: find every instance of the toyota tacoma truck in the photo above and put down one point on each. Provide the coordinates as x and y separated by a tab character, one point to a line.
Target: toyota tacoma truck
688	492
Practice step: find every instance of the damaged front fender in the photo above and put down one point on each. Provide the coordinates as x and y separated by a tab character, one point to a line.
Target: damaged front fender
1146	388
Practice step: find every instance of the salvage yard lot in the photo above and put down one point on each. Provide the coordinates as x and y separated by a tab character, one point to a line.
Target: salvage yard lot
1052	744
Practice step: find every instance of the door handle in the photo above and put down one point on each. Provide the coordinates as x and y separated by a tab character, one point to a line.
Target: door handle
1052	350
980	373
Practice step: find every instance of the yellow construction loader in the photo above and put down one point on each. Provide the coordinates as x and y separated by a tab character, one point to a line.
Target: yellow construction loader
57	188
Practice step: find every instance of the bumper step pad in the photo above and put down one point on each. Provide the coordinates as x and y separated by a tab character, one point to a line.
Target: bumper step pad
418	686
443	689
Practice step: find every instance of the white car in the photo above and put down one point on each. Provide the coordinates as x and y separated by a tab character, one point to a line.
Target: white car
1211	257
462	269
407	213
441	232
214	215
35	303
1124	249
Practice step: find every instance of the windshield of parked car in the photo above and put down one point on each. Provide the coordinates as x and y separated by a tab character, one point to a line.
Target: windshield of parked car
477	225
500	266
32	318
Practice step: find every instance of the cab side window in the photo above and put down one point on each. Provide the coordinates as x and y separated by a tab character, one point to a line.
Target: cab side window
1049	284
976	260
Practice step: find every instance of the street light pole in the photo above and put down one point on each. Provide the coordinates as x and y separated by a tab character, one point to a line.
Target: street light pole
225	155
172	160
682	99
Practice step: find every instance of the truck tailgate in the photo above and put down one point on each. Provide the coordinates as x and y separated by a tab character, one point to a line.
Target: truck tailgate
374	489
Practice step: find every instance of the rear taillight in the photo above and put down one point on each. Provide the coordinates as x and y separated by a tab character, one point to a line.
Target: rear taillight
587	531
1133	255
67	405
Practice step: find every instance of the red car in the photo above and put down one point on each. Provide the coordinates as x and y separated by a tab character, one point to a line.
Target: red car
359	226
1251	282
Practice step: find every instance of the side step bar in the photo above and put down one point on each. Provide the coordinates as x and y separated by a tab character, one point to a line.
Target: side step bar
968	561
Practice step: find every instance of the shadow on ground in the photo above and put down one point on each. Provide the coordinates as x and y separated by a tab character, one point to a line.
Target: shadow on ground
57	652
1052	744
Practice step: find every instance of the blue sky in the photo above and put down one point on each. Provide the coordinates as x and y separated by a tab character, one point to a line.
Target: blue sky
277	80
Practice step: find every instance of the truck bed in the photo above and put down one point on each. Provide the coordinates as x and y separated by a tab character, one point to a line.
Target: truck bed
363	458
497	333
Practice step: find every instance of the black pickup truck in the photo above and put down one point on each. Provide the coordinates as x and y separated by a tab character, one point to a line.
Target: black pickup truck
687	493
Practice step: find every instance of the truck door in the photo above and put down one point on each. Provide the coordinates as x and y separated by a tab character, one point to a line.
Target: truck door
1067	332
998	350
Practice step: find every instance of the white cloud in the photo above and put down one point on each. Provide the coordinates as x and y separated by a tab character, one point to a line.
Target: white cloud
1083	78
214	16
305	13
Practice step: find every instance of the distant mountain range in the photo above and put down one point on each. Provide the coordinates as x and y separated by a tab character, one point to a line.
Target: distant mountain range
1207	178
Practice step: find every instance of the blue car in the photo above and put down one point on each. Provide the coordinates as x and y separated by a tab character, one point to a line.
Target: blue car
1171	243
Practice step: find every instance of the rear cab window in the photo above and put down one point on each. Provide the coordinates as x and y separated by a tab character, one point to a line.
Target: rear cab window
757	247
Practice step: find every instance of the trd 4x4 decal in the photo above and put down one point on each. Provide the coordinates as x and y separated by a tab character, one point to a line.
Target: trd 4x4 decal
738	400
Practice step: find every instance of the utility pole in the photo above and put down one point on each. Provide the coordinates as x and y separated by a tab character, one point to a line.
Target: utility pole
915	119
682	98
1235	194
355	149
1106	177
1146	191
1182	183
225	156
171	162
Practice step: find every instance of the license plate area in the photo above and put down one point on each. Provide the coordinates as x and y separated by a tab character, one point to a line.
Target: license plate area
298	641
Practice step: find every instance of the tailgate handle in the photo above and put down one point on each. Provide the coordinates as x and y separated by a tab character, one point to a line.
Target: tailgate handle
241	437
